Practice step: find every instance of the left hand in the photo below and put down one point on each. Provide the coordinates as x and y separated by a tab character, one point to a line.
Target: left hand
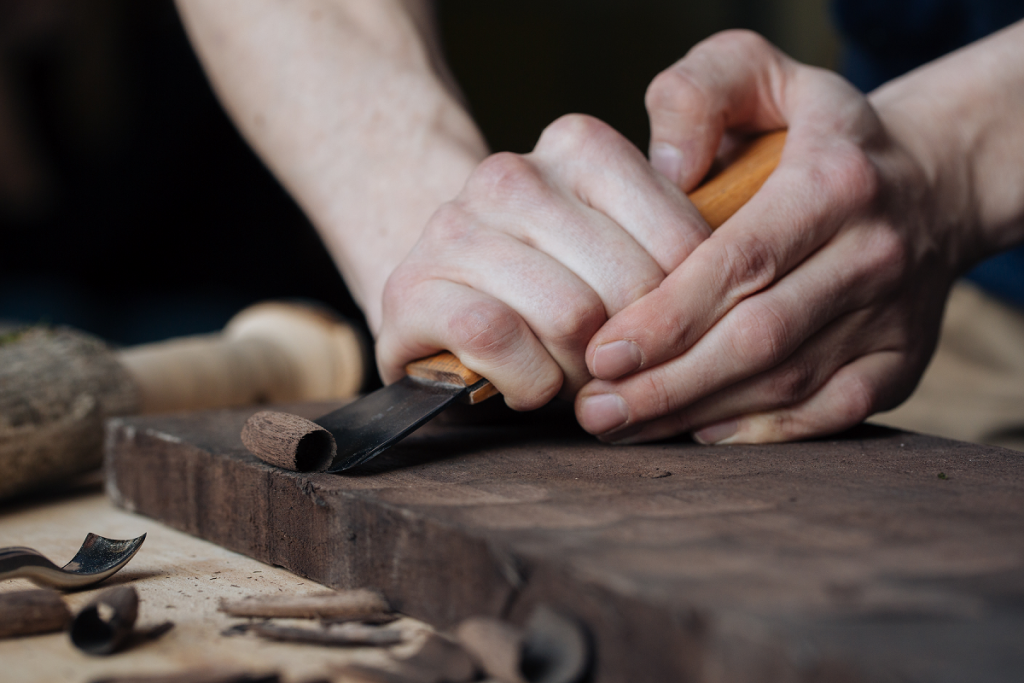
817	304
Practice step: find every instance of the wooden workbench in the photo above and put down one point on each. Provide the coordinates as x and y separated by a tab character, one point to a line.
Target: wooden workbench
874	556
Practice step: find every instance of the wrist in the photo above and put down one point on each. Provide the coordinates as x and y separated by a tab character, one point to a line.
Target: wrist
959	119
930	162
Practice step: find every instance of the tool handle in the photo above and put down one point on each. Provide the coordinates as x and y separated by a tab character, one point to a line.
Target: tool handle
274	352
717	199
722	194
445	368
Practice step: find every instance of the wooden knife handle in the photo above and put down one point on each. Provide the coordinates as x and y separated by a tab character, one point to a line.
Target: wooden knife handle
721	195
718	198
445	368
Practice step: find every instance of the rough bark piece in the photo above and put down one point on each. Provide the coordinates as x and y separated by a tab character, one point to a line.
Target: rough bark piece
56	386
30	612
289	441
783	562
345	604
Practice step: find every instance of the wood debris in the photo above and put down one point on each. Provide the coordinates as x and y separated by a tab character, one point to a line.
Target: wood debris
33	611
550	648
105	625
197	676
346	635
495	645
440	660
351	605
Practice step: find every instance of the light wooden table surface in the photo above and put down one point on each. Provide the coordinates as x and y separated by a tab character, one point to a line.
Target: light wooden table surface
179	578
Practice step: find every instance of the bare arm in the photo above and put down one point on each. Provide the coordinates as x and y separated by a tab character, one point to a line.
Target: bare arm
347	103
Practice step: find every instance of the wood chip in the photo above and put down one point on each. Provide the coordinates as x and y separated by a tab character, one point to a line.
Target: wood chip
495	645
197	676
345	635
362	673
440	659
105	625
556	648
34	611
335	605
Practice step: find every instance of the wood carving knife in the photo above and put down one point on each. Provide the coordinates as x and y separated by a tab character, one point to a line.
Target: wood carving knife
359	431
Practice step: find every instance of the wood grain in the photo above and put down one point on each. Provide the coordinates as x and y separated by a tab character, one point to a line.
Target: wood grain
723	194
840	559
289	441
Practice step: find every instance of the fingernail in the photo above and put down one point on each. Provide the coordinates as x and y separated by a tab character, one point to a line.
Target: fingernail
615	359
603	413
626	435
716	434
667	160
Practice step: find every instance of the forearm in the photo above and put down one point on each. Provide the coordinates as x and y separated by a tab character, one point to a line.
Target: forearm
343	102
963	117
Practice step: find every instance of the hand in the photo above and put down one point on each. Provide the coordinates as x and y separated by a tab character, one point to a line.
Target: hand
517	273
817	304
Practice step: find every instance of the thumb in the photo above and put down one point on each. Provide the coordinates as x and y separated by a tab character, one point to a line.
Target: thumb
729	81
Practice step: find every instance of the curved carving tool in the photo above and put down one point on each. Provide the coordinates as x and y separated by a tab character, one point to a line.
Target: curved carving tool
97	559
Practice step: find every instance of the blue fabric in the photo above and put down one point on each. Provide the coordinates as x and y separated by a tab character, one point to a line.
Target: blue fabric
887	38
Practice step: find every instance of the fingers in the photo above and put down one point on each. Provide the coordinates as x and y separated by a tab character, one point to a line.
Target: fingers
589	161
791	382
731	80
849	396
803	206
760	333
738	80
557	240
487	336
462	294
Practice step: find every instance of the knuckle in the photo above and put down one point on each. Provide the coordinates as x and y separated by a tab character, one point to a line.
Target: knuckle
573	133
850	172
748	264
888	256
738	39
503	176
841	176
860	399
793	383
678	91
451	222
658	398
762	336
485	329
571	327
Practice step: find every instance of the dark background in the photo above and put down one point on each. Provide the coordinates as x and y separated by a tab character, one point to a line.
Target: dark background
132	209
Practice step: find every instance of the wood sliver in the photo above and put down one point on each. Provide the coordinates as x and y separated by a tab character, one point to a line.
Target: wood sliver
549	648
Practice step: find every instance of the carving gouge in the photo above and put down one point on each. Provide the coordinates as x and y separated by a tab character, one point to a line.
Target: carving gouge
364	428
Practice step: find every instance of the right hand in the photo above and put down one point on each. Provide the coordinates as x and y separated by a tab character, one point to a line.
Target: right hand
517	273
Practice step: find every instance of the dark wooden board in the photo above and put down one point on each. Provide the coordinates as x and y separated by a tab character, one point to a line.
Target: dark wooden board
846	559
